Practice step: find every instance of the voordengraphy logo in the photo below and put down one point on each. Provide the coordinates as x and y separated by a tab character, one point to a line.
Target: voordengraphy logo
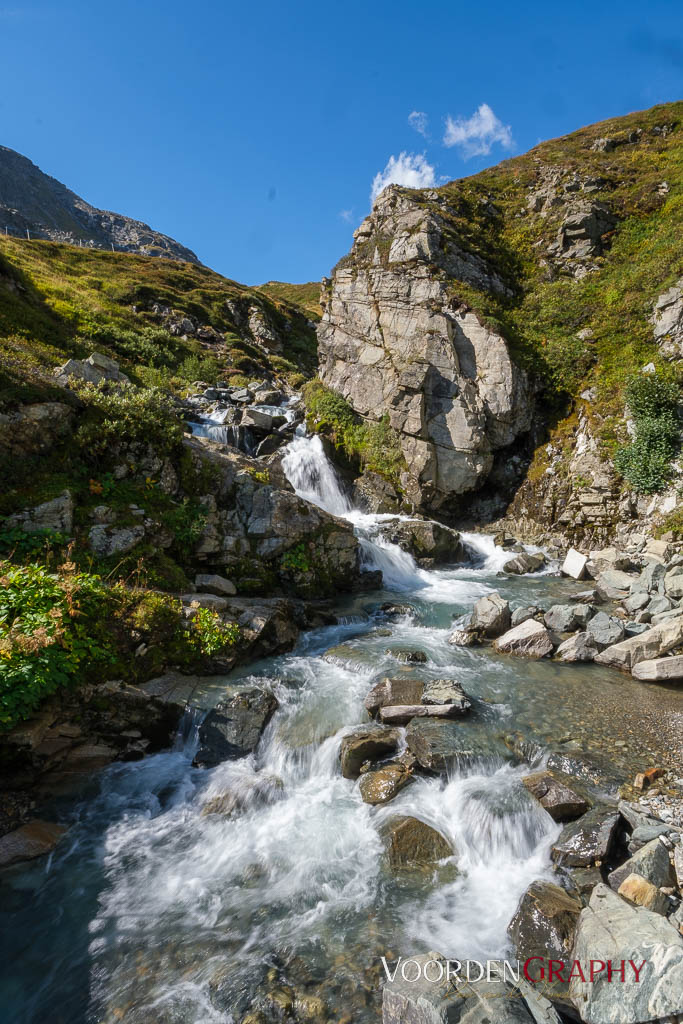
536	969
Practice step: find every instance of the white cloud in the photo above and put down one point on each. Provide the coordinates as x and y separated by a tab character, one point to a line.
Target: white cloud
410	169
476	135
419	121
346	215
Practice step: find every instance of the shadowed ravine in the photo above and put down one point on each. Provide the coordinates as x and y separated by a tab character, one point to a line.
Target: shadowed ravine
156	912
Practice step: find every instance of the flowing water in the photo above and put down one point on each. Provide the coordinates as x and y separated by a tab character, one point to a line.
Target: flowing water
151	911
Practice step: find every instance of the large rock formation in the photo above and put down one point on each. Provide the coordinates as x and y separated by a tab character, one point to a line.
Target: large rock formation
394	340
32	201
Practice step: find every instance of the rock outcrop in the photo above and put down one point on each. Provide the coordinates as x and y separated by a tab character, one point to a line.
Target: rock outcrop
394	341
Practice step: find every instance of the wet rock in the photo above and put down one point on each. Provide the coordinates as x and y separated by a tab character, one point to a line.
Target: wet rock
446	691
212	584
605	630
543	926
436	744
649	646
574	564
394	611
368	743
233	728
529	640
32	840
651	862
660	670
411	843
402	713
490	615
243	795
639	891
557	797
584	880
383	784
524	563
401	690
609	928
424	538
373	494
588	841
580	647
463	638
407	656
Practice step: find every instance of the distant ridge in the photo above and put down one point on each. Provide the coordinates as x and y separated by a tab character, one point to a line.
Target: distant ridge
35	202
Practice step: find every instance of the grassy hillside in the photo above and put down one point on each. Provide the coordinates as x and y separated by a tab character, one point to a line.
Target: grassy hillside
58	301
305	295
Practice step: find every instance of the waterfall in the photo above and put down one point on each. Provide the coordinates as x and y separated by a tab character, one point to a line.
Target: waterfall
313	476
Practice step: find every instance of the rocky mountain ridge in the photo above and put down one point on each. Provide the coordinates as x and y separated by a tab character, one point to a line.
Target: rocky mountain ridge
495	322
34	203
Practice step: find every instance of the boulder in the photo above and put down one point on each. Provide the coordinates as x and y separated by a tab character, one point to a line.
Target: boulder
557	797
108	540
574	564
372	493
254	419
410	843
529	640
651	862
639	891
614	582
29	841
673	585
580	647
658	551
524	563
233	728
563	618
212	584
435	744
605	630
610	929
660	670
463	638
97	367
646	647
588	841
367	743
543	926
381	785
244	795
214	602
407	656
401	690
520	615
667	321
56	515
490	615
446	691
424	538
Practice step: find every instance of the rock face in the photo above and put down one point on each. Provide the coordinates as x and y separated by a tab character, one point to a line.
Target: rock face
424	538
393	342
667	321
30	199
611	929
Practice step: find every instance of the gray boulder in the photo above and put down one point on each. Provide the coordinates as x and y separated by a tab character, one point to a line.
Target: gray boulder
651	862
660	670
212	584
524	563
588	841
543	926
574	564
490	615
436	744
609	928
520	615
56	515
446	691
657	641
233	728
109	540
605	629
92	370
424	538
667	321
563	618
410	843
529	640
402	690
580	647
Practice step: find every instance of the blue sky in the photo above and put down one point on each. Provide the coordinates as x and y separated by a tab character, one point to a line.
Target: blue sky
253	132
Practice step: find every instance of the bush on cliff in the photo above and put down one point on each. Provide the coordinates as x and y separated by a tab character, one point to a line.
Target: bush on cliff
653	402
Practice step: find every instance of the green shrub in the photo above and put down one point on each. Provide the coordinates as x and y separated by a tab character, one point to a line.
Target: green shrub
126	415
646	462
210	635
20	545
45	642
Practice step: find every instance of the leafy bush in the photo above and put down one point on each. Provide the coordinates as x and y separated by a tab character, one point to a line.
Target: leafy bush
375	444
125	415
646	462
210	635
44	642
295	560
21	545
